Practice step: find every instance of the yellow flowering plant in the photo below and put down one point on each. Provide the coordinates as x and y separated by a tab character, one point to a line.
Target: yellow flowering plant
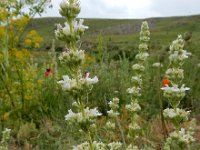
20	80
33	40
13	21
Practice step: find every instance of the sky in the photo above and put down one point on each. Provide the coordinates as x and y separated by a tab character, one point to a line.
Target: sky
131	8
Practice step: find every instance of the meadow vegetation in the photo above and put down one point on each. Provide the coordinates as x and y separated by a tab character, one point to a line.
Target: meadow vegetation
108	84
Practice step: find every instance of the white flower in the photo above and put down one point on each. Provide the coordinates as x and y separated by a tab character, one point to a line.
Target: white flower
180	137
179	55
173	73
69	9
144	47
134	126
6	133
174	93
91	80
133	107
177	45
157	65
185	54
86	146
64	33
144	34
71	115
138	67
142	56
115	146
86	115
78	26
110	125
67	83
72	56
82	146
99	145
93	112
136	79
135	91
132	147
170	113
175	89
114	104
181	113
75	104
112	113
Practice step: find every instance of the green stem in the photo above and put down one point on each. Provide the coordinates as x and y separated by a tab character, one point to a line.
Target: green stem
8	91
21	86
90	141
164	128
5	47
121	131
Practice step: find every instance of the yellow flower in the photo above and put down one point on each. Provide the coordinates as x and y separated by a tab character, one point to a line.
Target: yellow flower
2	31
28	97
1	57
37	45
33	39
28	42
5	116
88	60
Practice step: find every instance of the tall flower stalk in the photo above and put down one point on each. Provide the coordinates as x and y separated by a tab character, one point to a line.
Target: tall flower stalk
77	83
136	90
174	90
5	139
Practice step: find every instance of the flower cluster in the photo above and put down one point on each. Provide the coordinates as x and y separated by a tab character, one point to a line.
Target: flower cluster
132	147
173	73
133	107
86	146
84	116
100	146
68	33
73	29
115	146
33	40
174	93
177	115
72	58
77	84
182	138
70	9
113	113
5	139
157	65
174	90
135	91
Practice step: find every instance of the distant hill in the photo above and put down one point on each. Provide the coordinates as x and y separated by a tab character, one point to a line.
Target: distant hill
124	32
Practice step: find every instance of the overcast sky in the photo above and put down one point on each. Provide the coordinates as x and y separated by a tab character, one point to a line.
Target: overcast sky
131	8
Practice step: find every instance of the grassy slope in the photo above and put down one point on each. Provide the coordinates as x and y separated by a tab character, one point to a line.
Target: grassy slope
125	32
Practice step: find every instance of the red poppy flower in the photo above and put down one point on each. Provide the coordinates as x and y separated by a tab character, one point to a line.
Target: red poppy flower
48	72
166	82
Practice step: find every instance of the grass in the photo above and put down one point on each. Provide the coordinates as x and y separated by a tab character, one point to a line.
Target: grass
50	130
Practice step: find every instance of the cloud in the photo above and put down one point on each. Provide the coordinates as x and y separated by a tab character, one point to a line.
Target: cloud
176	7
116	9
131	8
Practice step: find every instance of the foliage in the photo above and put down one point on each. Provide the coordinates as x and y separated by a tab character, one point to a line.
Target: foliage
104	116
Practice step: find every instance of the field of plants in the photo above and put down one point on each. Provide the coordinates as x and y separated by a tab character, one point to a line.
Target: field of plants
97	84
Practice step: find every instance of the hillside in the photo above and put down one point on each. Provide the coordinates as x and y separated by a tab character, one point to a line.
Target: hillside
123	34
